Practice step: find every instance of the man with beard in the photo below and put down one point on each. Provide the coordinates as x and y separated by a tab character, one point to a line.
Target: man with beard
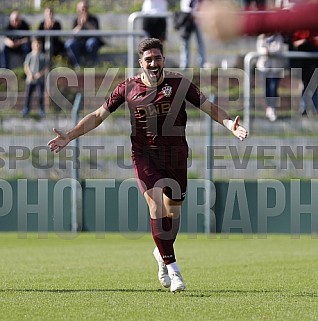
76	47
157	100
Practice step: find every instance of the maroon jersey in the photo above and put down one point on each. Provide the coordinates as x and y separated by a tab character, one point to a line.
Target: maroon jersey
157	114
158	120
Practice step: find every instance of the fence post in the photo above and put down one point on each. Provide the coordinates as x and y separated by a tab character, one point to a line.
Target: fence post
76	219
208	228
131	39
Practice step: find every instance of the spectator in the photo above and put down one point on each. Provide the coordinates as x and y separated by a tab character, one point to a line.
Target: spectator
284	4
187	26
304	40
271	68
35	67
259	4
77	46
50	23
155	27
15	44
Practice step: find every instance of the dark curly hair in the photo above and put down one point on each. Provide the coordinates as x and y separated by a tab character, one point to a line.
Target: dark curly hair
149	43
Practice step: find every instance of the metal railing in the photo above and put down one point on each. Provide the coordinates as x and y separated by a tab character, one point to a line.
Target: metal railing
248	63
47	34
131	28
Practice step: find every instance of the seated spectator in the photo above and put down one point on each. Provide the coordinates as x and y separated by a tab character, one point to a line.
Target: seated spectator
49	23
35	68
155	27
15	44
77	46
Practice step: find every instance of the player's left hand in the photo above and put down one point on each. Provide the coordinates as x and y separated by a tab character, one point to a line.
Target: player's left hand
239	131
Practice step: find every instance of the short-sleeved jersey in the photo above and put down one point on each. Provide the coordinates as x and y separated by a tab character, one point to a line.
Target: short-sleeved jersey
158	116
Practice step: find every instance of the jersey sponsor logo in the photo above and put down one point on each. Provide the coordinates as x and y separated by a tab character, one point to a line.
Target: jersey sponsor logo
154	109
167	90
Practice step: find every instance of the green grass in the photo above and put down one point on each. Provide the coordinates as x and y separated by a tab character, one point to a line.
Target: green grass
113	277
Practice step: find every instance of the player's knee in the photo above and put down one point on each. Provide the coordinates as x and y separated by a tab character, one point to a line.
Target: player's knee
156	210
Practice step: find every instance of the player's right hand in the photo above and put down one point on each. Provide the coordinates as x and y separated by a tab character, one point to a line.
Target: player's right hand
59	142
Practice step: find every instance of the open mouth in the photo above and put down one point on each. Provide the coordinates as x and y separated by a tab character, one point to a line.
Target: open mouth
153	72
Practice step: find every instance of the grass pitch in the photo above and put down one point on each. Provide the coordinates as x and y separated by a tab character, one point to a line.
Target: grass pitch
114	277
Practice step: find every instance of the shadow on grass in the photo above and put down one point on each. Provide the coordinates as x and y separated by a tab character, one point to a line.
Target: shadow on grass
187	293
81	290
209	293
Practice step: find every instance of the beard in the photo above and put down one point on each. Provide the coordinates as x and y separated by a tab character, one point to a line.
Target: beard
153	75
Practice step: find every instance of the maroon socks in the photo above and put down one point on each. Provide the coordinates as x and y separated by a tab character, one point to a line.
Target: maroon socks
164	232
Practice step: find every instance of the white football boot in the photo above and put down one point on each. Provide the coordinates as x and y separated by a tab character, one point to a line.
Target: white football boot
177	283
163	276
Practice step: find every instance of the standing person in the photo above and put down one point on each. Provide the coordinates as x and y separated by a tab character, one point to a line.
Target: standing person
35	68
156	100
271	67
50	23
190	26
15	44
305	40
155	27
78	46
259	4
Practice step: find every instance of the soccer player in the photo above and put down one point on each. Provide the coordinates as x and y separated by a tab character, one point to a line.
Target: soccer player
156	100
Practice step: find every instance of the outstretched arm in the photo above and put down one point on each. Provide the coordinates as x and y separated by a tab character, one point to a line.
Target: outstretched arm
221	116
85	125
225	20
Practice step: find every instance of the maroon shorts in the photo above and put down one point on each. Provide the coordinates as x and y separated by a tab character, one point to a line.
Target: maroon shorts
165	167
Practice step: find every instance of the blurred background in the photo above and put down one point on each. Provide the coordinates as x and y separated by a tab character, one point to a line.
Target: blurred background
283	149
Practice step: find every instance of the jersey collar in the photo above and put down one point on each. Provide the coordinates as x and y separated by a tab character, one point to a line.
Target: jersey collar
148	84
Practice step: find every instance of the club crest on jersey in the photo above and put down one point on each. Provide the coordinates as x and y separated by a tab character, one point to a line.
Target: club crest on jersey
167	91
